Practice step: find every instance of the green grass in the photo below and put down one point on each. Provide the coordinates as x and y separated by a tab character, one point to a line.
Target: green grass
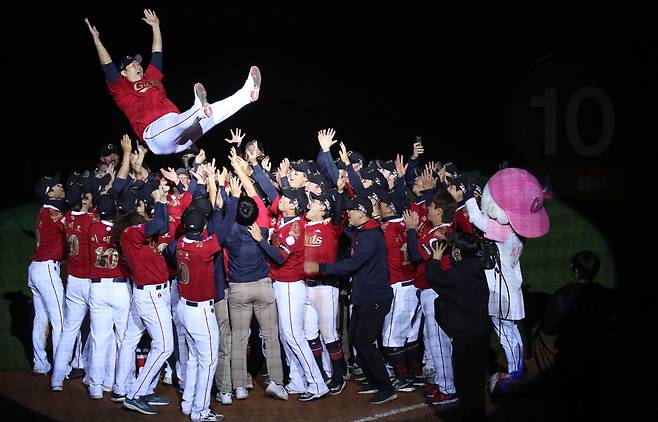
545	262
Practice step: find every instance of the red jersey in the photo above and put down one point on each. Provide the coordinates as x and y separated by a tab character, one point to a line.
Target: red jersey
77	229
400	267
460	220
144	261
425	243
104	258
143	101
50	235
321	242
288	238
196	269
176	206
423	223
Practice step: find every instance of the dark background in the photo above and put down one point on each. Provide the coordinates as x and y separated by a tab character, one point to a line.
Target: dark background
462	76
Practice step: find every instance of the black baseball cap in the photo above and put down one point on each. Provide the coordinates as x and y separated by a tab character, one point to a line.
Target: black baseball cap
397	202
317	178
388	165
125	61
193	220
74	194
377	178
297	197
127	202
108	149
361	203
106	207
202	204
44	185
302	166
327	198
356	157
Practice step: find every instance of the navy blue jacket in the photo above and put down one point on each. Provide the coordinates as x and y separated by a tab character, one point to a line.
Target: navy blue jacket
367	264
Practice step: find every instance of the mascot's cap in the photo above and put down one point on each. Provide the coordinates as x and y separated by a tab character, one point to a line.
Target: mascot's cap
520	195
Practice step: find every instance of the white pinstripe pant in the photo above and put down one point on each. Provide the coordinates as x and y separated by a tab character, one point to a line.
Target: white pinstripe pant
48	297
439	343
510	338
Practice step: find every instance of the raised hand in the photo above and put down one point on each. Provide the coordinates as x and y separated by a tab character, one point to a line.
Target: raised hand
254	231
170	174
400	167
284	167
418	150
151	18
235	187
221	176
266	164
410	219
343	154
340	183
236	137
326	138
92	29
200	157
126	144
437	250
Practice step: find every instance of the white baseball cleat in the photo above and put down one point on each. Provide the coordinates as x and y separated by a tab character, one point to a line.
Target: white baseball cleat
254	72
276	390
224	398
241	393
201	99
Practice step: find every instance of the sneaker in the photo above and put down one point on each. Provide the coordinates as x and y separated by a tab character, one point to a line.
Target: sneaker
224	398
186	408
308	396
417	381
276	390
290	389
201	100
96	396
403	386
254	72
156	400
210	417
360	377
140	405
368	389
336	387
75	373
118	398
442	398
241	393
57	388
432	391
382	397
356	370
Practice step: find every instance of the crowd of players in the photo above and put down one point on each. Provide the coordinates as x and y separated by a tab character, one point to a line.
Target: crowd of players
191	255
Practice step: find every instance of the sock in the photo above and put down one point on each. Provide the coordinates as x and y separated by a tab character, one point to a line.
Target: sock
337	361
316	348
413	358
397	358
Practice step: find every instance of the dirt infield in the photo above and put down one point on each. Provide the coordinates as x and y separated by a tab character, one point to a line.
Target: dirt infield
30	398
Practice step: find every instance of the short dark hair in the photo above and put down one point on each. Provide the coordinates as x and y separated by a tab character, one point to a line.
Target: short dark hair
247	211
467	243
442	199
587	263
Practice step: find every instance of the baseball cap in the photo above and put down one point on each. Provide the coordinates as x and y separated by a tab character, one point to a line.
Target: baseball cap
317	178
397	202
258	143
356	157
74	194
108	149
182	171
127	201
302	166
361	203
202	204
44	185
125	61
297	197
327	199
377	178
388	165
519	194
193	220
106	207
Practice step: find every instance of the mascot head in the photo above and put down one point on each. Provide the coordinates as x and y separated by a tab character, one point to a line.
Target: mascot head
514	196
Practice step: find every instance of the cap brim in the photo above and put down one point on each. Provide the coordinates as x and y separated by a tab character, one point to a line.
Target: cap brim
530	225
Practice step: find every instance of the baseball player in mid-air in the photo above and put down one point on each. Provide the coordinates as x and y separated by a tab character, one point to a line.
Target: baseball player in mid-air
141	96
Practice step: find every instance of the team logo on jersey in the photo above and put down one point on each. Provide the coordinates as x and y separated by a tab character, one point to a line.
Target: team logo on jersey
74	245
183	274
290	240
313	240
143	86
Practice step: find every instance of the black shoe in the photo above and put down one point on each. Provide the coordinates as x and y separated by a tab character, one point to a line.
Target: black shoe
118	398
307	396
359	378
417	381
382	396
336	387
75	373
368	389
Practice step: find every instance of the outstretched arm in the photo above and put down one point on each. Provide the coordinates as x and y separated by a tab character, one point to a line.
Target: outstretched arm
103	55
152	19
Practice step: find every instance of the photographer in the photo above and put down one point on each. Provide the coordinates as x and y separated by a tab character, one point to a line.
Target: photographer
461	310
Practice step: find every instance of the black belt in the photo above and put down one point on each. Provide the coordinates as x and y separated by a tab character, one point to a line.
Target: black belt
158	287
114	280
407	283
196	304
315	283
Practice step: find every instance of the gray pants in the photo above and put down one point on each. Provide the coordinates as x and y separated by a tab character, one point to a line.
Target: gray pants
244	300
223	372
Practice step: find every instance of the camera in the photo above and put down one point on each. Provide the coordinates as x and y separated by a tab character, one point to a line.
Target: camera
488	254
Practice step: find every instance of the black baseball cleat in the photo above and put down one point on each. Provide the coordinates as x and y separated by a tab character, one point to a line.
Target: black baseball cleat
336	386
382	396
